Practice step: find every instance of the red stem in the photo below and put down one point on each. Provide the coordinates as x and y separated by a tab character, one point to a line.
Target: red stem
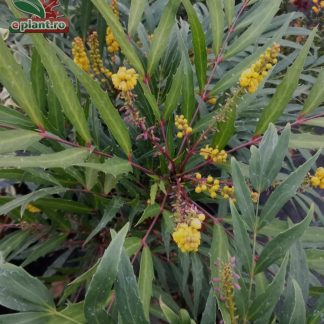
149	230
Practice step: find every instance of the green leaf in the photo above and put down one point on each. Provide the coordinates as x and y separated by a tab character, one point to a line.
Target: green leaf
135	15
145	280
150	211
225	130
127	294
286	89
298	267
219	250
306	141
15	81
315	260
266	162
285	191
173	96
61	159
217	22
11	242
44	248
26	318
32	7
37	75
169	314
161	35
114	166
199	44
12	117
103	279
279	245
260	23
119	34
151	100
265	303
110	212
16	140
298	315
242	239
197	280
229	6
243	195
22	292
132	244
62	87
209	314
23	201
101	100
316	96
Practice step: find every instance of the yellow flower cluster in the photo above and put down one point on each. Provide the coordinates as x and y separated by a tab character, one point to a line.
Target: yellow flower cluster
317	181
79	54
125	80
209	184
95	58
214	154
182	124
318	5
114	6
255	196
32	209
111	42
228	192
187	235
251	78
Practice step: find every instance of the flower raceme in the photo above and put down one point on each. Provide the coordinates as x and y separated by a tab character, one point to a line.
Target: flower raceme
317	181
125	79
317	6
214	154
79	53
251	78
187	231
182	124
111	42
95	58
32	209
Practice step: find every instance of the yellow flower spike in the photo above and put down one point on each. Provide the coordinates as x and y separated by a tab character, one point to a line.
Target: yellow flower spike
252	77
212	101
227	192
32	209
255	196
95	58
182	124
187	237
111	42
114	6
79	54
124	80
214	154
